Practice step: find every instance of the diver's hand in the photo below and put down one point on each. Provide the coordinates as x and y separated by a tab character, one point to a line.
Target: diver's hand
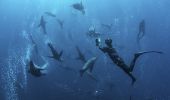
98	41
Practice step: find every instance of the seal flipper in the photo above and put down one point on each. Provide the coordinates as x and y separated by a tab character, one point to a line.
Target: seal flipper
91	76
61	53
81	72
91	69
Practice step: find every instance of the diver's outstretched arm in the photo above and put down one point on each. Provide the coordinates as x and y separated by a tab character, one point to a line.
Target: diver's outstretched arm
98	44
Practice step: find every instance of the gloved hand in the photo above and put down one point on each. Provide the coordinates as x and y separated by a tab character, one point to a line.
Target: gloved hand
98	41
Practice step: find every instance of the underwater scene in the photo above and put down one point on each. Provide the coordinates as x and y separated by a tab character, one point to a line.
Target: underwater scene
84	50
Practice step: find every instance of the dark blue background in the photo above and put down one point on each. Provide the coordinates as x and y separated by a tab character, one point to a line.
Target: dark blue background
19	17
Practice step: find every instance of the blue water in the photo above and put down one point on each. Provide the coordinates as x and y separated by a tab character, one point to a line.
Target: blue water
18	18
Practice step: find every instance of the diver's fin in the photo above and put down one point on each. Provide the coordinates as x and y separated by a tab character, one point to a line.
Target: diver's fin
160	52
141	53
133	81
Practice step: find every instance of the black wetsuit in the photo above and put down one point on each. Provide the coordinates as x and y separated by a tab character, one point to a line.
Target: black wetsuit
119	61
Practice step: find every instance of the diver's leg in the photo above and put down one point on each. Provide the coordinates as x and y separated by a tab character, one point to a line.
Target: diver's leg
132	64
137	55
130	75
125	68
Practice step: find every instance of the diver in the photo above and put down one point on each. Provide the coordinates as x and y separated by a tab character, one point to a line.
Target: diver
114	56
141	30
36	70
